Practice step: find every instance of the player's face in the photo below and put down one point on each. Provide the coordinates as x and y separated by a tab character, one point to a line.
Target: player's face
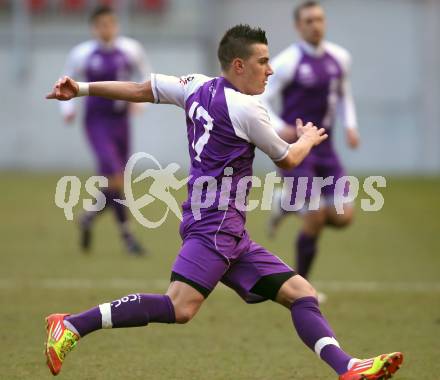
256	69
105	27
311	25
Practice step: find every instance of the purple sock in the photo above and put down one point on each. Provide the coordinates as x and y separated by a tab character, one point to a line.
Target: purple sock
315	332
129	311
119	209
305	253
88	216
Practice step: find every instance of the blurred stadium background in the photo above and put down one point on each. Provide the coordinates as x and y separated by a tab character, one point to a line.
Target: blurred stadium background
385	278
395	76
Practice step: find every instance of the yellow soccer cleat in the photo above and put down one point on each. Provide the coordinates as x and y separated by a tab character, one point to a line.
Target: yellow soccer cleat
60	341
381	367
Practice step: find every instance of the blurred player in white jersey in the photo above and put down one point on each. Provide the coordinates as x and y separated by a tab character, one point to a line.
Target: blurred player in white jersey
311	79
107	122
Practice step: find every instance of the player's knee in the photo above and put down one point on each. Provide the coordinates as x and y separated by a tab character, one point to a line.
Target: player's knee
307	290
186	301
184	314
185	311
116	182
295	288
314	222
343	220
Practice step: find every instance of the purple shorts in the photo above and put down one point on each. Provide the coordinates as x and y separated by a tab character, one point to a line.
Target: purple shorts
317	166
109	140
239	263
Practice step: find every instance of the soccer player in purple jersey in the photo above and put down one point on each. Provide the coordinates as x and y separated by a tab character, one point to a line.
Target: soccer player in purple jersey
311	80
225	123
107	124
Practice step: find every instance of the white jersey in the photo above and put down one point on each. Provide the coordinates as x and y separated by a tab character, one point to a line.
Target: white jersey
93	61
312	84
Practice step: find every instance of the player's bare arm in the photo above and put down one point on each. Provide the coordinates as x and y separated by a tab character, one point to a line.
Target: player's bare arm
353	138
309	136
66	88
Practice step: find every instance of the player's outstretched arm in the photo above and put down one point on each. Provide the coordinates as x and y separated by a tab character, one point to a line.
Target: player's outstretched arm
66	88
309	136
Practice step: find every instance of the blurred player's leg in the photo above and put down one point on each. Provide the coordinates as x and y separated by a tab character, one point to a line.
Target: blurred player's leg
110	144
333	196
102	147
307	240
121	141
116	186
328	166
312	221
277	214
282	197
87	219
333	219
85	225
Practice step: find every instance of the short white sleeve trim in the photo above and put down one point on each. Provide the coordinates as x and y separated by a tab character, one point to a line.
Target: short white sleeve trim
169	89
77	59
346	106
340	54
74	68
138	58
251	122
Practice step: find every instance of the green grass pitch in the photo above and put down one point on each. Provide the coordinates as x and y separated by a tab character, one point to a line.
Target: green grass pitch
382	276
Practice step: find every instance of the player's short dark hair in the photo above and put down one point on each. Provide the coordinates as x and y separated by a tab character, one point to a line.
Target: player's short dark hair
236	43
100	10
304	5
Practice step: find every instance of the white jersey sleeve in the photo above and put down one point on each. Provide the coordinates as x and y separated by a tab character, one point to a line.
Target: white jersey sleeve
251	122
346	107
74	68
169	89
284	66
137	56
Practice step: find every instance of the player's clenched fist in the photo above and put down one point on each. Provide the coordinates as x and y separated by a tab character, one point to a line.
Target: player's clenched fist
310	132
65	89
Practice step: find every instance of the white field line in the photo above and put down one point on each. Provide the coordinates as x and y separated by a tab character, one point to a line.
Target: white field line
375	286
162	284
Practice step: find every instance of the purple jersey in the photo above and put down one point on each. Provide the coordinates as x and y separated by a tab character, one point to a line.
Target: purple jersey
107	65
93	61
106	120
312	84
223	128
